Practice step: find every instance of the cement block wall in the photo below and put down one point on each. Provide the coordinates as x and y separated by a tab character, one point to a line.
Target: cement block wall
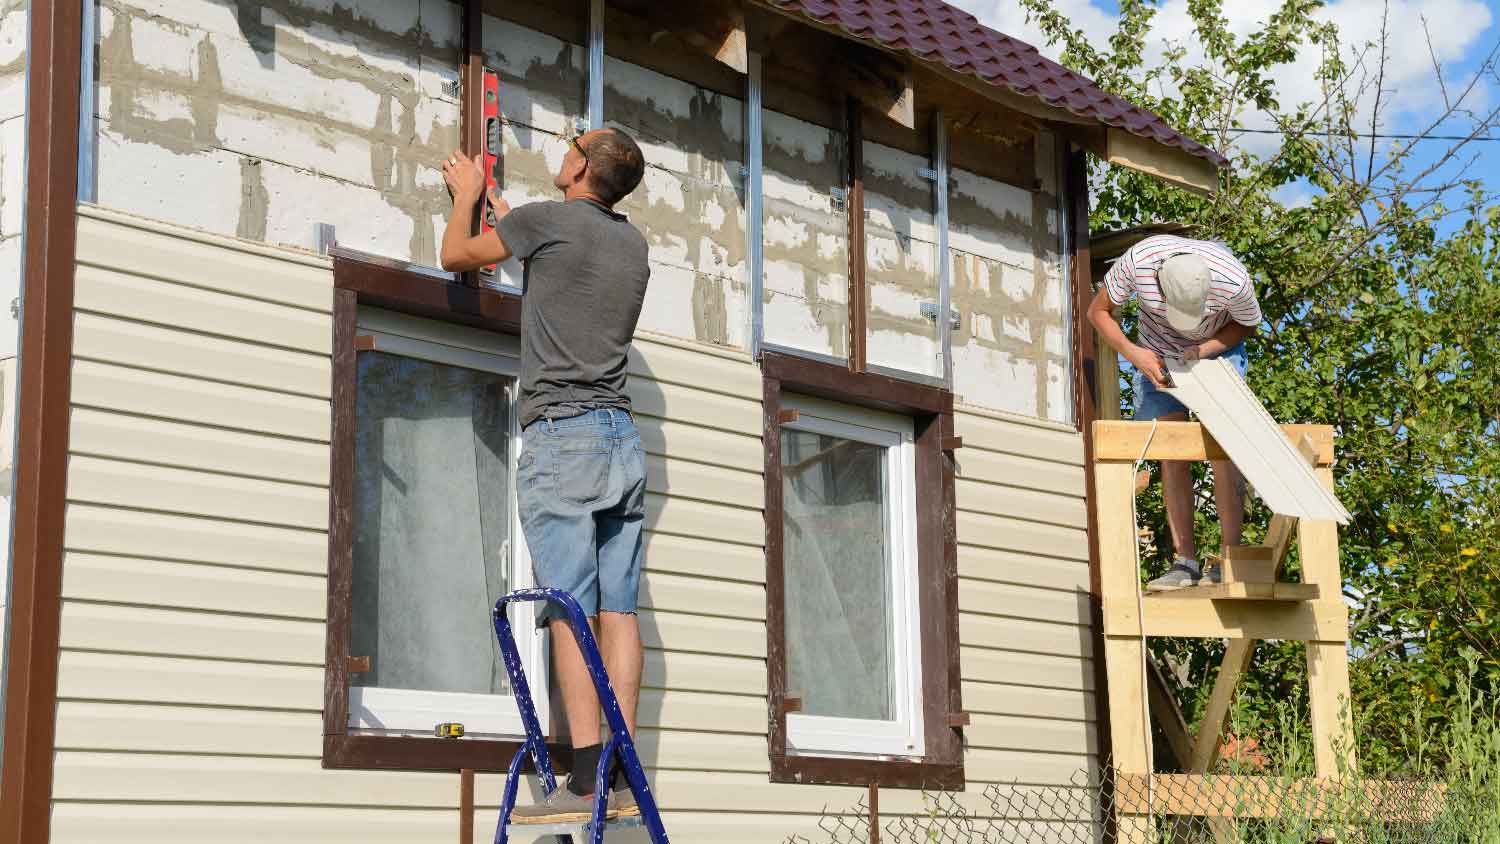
12	162
261	120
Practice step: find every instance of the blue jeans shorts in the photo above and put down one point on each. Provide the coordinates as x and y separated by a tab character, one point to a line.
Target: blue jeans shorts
1151	403
581	492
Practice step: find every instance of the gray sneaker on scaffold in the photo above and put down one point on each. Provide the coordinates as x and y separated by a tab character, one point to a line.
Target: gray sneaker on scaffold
561	806
1179	576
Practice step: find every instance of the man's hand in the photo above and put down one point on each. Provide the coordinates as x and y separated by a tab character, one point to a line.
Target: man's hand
498	205
465	178
1150	363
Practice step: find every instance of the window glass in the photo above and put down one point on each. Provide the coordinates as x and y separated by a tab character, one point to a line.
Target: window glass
849	568
839	616
432	521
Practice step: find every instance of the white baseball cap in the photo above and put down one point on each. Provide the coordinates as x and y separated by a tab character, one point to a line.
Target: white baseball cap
1184	280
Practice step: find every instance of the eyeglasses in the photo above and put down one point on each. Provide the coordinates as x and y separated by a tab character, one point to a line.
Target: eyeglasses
581	151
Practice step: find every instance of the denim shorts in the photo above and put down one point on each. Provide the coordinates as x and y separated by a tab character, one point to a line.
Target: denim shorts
1151	403
582	498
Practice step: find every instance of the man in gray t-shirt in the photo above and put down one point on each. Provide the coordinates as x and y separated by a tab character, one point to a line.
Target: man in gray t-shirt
581	475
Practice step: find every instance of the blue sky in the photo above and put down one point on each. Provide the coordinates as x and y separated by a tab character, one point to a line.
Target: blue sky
1462	32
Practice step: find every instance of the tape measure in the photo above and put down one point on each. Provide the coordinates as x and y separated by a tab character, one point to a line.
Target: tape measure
450	729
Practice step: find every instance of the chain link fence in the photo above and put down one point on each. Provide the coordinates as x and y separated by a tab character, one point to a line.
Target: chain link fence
1179	809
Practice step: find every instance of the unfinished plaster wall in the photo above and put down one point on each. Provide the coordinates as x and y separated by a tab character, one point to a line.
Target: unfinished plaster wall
901	269
13	33
806	297
542	80
261	119
1013	351
690	205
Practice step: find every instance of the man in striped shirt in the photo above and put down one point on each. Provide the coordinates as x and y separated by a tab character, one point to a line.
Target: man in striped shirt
1195	300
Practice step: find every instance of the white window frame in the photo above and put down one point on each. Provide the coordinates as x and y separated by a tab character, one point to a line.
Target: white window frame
822	735
380	711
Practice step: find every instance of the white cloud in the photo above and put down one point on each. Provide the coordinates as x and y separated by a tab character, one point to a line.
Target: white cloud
1410	86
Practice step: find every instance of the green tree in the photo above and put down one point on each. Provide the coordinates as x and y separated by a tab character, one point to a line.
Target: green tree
1382	304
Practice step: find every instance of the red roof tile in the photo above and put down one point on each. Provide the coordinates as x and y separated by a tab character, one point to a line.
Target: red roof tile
936	32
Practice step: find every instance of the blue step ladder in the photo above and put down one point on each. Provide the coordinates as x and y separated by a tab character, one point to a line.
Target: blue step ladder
618	747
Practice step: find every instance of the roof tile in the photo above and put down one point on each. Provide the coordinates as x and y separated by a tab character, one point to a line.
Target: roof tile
938	32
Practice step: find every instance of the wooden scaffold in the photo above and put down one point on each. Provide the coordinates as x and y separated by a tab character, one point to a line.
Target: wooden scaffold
1241	612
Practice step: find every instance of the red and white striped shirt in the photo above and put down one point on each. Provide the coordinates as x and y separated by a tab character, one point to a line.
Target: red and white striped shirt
1230	294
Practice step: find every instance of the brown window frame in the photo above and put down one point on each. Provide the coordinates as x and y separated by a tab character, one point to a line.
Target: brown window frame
931	409
360	279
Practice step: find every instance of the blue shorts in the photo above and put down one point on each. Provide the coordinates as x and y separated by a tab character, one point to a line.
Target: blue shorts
1151	403
581	492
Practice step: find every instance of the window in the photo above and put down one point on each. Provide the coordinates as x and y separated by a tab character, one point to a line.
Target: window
423	534
436	536
849	546
861	578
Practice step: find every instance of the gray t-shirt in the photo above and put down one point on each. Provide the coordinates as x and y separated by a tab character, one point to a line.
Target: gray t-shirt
585	279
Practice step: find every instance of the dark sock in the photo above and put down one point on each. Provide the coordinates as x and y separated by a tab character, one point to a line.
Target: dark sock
585	766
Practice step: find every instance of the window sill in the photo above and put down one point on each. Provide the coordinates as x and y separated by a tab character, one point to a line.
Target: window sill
886	773
407	753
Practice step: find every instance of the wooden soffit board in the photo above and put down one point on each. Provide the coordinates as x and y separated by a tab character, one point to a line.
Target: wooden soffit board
1171	165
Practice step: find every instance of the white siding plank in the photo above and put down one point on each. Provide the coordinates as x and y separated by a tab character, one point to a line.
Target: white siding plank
1007	699
685	517
230	361
694	406
675	363
152	250
686	671
714	484
113	293
1066	673
689	555
200	682
1013	767
663	591
138	391
1004	732
113	530
978	464
1038	637
1027	537
97	481
1008	567
703	634
1009	600
106	627
102	434
705	445
188	729
676	710
129	580
1018	438
1018	502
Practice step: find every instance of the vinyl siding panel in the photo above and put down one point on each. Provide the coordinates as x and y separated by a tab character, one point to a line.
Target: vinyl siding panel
1027	648
191	673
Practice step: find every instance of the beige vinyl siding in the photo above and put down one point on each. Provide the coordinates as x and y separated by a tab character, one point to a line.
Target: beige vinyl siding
1027	648
191	672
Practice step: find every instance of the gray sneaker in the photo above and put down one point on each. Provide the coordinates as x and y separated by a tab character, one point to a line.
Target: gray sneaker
1179	576
1213	576
561	806
622	800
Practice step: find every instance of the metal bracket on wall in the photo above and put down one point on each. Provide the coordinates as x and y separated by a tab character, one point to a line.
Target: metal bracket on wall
930	311
324	237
